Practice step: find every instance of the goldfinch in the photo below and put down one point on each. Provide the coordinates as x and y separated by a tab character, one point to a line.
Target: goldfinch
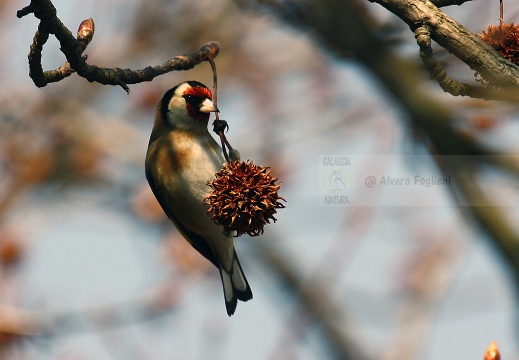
182	157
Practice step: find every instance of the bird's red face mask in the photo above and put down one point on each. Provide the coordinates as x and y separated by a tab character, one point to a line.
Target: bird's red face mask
198	103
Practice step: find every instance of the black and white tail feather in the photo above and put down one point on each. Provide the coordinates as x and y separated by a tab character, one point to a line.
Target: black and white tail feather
235	286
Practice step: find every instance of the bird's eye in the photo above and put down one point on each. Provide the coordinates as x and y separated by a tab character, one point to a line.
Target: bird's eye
189	99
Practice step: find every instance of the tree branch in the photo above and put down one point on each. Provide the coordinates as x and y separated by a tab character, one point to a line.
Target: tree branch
455	38
448	84
73	48
341	27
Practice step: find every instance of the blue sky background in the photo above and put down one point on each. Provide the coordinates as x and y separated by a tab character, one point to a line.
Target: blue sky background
409	275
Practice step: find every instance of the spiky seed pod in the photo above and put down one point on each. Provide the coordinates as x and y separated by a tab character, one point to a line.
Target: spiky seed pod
504	38
244	198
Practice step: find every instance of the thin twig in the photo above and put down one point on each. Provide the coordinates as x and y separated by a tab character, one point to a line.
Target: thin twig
501	12
73	48
219	126
215	83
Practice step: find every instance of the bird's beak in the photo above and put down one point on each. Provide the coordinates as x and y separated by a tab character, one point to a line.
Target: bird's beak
208	106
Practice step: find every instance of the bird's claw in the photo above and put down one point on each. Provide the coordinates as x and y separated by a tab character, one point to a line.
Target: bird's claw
220	126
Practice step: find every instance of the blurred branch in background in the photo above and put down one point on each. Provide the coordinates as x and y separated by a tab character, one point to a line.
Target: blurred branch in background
314	303
16	322
346	30
72	47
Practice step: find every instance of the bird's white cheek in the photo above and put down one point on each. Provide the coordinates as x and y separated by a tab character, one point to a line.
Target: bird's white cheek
176	102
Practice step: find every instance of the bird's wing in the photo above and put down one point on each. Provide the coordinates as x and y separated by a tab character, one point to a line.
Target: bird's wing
196	240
